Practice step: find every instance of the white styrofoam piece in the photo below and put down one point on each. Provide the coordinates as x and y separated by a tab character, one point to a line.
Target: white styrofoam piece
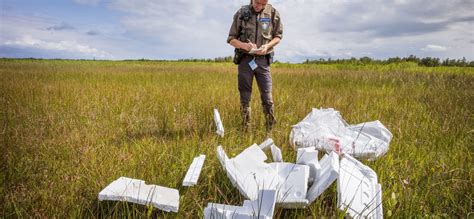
214	210
309	156
136	191
253	152
326	130
219	125
379	211
194	171
359	192
306	155
293	186
222	156
375	129
263	207
266	144
276	153
294	204
249	173
328	174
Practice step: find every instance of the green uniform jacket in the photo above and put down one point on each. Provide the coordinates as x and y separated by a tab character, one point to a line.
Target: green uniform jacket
260	29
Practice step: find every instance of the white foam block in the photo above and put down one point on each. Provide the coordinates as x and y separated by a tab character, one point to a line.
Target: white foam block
294	184
253	153
306	155
222	156
136	191
251	173
214	210
219	125
358	189
309	156
276	153
263	207
328	174
194	171
266	144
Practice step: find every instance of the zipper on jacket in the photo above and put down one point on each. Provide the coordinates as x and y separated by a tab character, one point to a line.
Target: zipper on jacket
256	29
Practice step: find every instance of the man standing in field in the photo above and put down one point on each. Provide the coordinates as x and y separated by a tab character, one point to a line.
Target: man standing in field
255	30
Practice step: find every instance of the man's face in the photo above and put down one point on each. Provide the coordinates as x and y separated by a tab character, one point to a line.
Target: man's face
259	5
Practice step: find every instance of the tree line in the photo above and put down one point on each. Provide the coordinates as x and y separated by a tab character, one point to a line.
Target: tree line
426	61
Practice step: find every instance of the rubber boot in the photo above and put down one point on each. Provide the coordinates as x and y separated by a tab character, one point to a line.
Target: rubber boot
270	120
246	111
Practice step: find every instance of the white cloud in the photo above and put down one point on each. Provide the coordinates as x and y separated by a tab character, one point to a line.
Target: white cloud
173	29
29	36
312	28
381	28
435	48
68	46
179	28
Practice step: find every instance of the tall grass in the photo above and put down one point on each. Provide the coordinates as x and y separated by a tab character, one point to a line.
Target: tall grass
69	128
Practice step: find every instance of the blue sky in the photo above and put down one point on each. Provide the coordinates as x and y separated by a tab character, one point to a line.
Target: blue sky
175	29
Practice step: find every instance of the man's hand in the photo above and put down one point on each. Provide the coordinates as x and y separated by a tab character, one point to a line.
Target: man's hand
263	50
247	46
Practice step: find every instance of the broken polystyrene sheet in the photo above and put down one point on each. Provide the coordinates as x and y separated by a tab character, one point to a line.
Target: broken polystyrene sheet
375	129
231	173
276	153
328	174
262	207
326	130
309	157
359	193
293	184
136	191
219	126
218	211
222	156
266	144
194	171
249	173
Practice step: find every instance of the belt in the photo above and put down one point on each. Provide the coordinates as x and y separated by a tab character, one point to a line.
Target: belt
256	56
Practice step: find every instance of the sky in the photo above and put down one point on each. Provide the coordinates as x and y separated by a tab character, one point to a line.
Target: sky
180	29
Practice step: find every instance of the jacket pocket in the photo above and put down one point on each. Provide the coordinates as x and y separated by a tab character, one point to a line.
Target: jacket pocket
267	37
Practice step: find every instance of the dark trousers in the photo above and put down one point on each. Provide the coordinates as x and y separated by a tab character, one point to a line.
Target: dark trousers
264	82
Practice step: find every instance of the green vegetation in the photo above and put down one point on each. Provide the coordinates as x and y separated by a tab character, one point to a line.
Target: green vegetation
427	61
68	128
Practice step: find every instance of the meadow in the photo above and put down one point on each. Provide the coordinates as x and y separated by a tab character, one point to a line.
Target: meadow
69	128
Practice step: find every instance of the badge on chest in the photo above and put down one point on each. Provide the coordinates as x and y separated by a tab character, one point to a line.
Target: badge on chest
264	23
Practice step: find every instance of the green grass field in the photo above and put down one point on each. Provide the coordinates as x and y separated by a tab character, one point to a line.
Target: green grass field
69	128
